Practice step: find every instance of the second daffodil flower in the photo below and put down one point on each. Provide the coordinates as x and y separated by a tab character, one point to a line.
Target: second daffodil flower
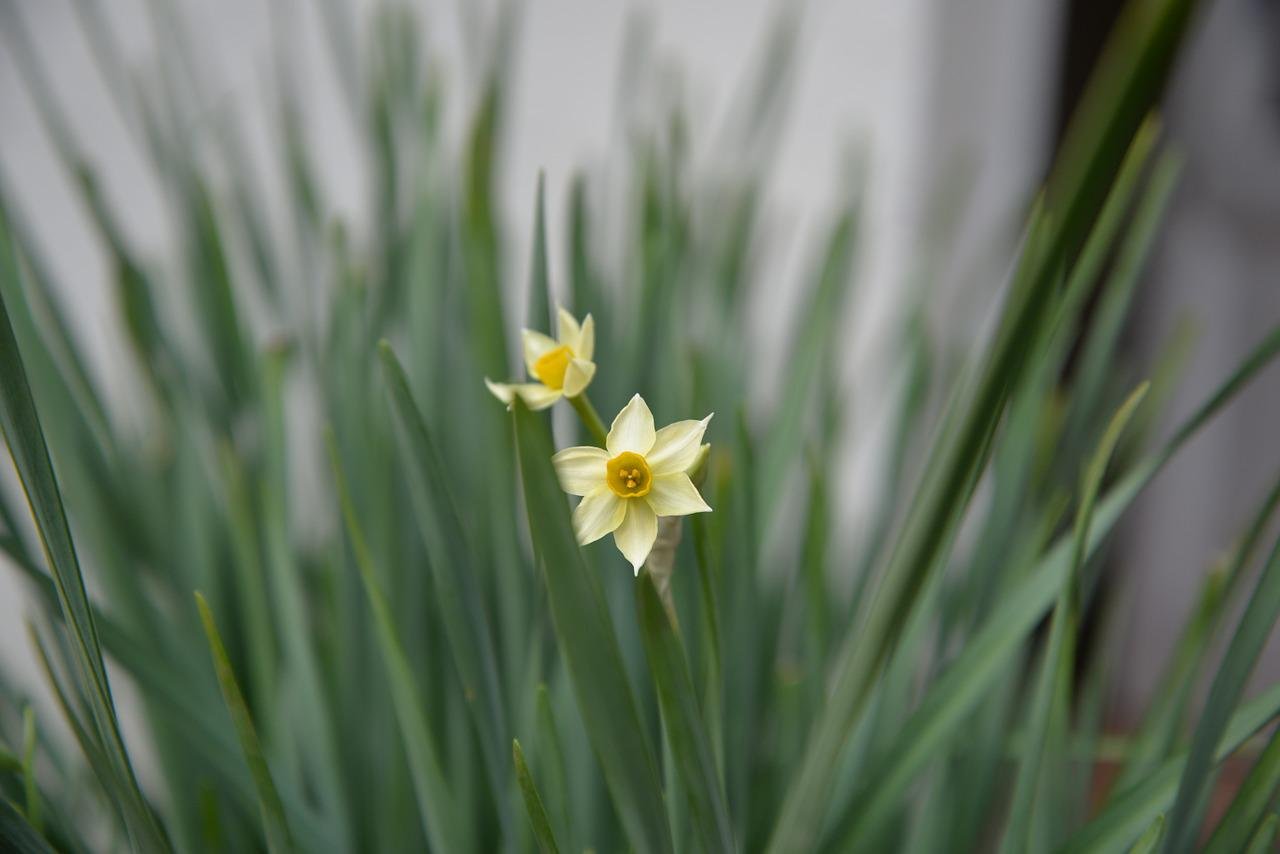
639	475
561	366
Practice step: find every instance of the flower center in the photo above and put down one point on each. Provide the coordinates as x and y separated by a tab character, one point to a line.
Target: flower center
628	475
551	365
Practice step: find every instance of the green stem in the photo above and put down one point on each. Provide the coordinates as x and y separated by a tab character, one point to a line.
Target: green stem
590	418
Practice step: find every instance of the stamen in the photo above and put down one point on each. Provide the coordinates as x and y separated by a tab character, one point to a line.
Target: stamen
634	479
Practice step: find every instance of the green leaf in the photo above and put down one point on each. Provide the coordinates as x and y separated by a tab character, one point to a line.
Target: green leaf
250	587
312	713
273	818
1237	663
30	789
1162	724
539	315
690	746
436	804
1125	85
1133	71
1250	804
1265	839
551	763
951	476
1150	838
212	741
1050	700
20	426
71	714
956	693
9	762
466	621
481	240
814	334
215	294
1128	813
17	836
542	833
1097	359
590	645
583	280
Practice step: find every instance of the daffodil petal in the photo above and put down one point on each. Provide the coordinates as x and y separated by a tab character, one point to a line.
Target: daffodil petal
535	344
597	514
586	349
632	430
675	495
635	536
675	447
567	329
581	470
501	391
535	395
577	376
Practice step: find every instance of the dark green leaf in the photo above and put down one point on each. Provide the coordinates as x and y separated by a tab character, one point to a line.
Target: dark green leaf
682	715
20	425
1250	804
590	645
439	813
275	824
17	836
1237	663
542	833
461	606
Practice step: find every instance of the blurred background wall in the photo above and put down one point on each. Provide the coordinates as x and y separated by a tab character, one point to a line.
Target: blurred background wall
917	90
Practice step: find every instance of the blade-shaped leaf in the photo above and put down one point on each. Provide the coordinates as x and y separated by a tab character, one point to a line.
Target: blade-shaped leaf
1130	812
686	730
16	833
590	645
1265	839
1133	71
20	426
30	789
1250	803
1164	719
539	313
956	693
1150	838
466	620
274	822
1237	663
1049	698
542	833
436	804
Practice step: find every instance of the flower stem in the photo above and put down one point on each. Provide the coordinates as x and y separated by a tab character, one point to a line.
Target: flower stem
590	418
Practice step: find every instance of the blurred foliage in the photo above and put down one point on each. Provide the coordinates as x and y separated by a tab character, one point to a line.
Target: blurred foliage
357	665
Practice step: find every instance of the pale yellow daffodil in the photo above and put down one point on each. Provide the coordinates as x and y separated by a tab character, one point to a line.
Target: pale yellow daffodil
562	366
639	475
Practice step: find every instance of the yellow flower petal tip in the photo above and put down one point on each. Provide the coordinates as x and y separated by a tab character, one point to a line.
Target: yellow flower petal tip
558	367
641	474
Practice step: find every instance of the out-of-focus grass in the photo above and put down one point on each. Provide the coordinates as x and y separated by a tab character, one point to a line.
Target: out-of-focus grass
377	671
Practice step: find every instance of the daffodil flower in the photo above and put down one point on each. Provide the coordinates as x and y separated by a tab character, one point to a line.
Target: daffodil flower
561	366
639	475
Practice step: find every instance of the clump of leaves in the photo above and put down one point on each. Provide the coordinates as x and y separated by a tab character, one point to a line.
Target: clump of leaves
390	663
